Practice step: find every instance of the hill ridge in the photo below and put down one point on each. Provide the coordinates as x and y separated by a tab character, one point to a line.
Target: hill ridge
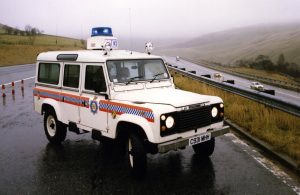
228	46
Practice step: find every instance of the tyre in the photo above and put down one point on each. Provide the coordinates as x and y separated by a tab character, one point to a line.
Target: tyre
205	149
55	130
136	156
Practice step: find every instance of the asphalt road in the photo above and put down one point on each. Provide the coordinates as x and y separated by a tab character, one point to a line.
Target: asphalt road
282	94
14	73
29	165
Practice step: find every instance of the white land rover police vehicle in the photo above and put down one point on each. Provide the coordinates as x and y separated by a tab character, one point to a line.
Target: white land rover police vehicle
123	95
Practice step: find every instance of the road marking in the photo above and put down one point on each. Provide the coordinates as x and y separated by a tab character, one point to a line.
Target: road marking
8	84
267	164
297	97
16	66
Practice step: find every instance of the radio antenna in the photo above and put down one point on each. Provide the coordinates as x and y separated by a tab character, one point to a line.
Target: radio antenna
130	31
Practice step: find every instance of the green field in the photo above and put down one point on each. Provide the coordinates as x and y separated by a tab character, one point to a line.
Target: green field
16	49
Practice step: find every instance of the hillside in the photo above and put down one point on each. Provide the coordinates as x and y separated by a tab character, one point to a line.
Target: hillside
17	49
228	46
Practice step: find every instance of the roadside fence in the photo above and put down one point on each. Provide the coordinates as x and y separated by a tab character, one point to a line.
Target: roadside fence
10	88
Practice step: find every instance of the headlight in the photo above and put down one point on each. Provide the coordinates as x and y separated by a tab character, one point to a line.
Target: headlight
170	122
214	112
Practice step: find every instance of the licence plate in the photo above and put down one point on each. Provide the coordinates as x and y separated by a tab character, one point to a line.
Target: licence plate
199	139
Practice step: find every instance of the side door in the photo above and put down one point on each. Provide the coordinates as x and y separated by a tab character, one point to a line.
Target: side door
94	89
70	96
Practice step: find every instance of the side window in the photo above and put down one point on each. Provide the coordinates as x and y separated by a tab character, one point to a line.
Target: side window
71	76
49	73
94	77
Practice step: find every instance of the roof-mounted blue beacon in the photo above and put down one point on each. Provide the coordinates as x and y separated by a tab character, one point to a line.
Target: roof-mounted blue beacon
102	31
101	39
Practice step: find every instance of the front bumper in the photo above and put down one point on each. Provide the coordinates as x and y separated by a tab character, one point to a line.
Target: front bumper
182	142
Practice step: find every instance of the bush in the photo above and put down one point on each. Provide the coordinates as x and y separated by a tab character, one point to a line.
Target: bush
263	62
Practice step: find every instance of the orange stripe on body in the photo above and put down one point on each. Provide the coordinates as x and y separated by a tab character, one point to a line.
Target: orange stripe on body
62	94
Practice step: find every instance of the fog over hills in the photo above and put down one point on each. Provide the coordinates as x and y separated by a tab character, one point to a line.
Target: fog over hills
243	43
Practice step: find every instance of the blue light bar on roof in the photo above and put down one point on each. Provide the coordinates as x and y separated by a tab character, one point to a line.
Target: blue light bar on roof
102	31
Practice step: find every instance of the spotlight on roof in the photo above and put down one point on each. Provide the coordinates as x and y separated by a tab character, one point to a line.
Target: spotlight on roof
107	47
149	47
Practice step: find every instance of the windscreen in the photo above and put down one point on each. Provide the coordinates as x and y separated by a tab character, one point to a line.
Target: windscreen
124	71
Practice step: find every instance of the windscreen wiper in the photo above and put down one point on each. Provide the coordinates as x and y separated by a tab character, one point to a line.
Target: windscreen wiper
155	76
132	79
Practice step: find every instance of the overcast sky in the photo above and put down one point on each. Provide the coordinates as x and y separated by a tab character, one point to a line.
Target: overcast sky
149	18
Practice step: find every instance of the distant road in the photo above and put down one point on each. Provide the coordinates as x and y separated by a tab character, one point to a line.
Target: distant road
282	94
13	73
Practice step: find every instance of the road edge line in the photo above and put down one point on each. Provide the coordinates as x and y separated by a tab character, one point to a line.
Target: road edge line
18	81
265	146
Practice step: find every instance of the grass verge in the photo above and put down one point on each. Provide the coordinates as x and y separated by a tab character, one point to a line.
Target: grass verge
25	54
15	49
279	129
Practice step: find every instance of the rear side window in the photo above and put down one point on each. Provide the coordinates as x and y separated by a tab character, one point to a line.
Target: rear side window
49	73
71	75
94	75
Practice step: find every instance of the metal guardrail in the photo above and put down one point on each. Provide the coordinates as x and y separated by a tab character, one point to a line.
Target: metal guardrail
282	84
258	97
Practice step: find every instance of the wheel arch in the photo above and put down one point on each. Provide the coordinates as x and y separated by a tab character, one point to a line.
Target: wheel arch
126	127
51	104
135	123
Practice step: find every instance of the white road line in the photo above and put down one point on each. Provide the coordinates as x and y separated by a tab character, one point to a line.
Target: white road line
267	164
15	66
9	84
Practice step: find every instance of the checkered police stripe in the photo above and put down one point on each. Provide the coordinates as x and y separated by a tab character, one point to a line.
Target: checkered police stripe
120	108
62	97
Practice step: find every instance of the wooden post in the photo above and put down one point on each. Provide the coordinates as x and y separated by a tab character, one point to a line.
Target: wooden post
3	91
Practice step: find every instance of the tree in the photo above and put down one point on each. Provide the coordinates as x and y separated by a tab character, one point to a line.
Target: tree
8	29
28	29
280	60
264	62
33	31
16	31
282	64
244	63
293	69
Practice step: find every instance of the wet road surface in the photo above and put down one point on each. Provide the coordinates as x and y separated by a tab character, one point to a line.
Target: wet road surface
13	73
29	165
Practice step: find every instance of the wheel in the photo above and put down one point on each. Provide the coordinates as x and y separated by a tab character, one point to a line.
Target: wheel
205	149
55	130
136	156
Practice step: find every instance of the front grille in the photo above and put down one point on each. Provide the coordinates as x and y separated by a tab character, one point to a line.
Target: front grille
193	119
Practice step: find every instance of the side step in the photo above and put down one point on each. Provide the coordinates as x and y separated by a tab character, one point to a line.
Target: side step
73	128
